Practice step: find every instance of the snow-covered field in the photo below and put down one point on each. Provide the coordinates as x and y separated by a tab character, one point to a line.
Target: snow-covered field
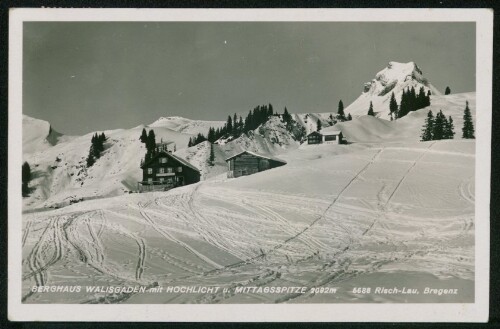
382	211
338	216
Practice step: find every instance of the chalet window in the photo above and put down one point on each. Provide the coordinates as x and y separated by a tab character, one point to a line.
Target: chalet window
161	180
330	137
150	171
163	160
150	181
170	170
161	170
179	169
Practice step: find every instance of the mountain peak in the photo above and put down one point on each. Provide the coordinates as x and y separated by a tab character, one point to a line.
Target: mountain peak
394	73
394	78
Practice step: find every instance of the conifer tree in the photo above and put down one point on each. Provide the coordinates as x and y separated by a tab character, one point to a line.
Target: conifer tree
144	136
447	91
412	100
96	147
340	110
393	106
349	117
212	156
25	178
428	127
370	110
404	106
421	100
468	128
151	142
286	116
439	129
318	125
248	122
429	93
234	131
211	135
229	125
427	99
90	158
449	130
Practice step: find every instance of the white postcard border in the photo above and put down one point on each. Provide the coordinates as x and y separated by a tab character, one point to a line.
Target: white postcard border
435	312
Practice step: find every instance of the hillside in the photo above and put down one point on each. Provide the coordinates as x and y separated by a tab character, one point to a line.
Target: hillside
270	138
384	209
38	135
379	214
186	126
409	128
60	175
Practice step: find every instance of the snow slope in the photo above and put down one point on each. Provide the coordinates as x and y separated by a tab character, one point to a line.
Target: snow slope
336	216
272	138
199	156
383	210
59	168
310	120
395	78
371	129
186	126
38	135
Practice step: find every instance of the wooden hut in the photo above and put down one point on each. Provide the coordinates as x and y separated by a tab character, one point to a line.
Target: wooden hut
248	163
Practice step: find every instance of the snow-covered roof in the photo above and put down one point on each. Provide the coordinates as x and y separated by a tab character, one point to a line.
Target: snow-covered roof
314	133
330	131
181	160
257	155
327	131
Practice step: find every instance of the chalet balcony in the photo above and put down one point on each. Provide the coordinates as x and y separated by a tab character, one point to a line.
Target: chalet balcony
165	174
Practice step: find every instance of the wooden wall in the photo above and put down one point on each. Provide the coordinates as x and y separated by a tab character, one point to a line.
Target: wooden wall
190	175
247	164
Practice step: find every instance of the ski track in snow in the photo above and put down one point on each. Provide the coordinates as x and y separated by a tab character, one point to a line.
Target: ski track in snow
61	234
334	236
465	190
170	237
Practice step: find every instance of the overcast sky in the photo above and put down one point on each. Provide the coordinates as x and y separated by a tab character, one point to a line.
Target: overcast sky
84	77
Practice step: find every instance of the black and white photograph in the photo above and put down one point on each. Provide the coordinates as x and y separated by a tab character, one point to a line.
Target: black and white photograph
250	161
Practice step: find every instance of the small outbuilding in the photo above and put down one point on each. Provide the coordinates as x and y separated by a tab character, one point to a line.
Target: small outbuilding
248	163
329	135
165	171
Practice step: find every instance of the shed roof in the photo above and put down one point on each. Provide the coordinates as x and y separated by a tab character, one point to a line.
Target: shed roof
257	155
168	154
